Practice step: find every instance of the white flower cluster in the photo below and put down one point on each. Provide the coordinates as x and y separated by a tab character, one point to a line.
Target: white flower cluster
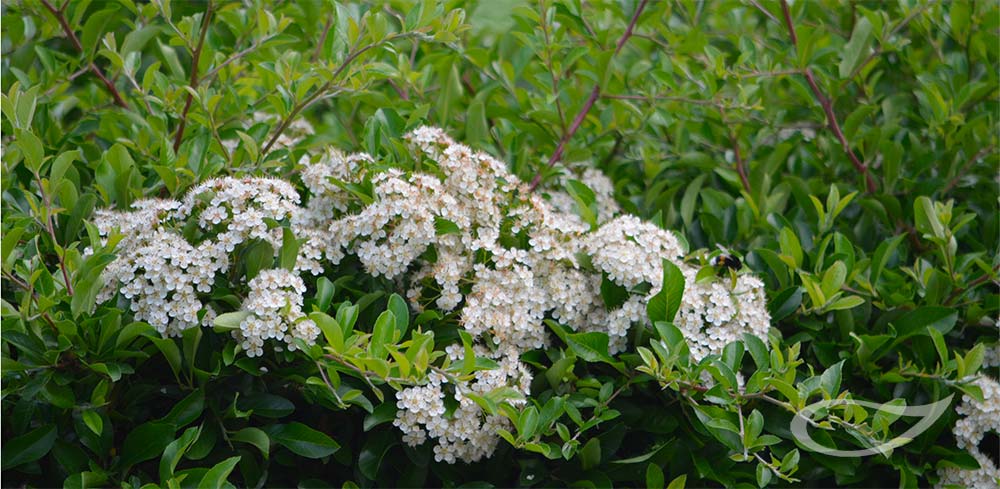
470	235
465	235
979	419
162	274
468	433
275	306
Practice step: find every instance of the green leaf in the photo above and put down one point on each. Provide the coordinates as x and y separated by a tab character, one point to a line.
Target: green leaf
849	302
590	454
265	405
258	256
347	315
830	380
790	247
664	305
758	350
834	278
187	410
174	451
383	413
586	201
679	482
146	441
31	147
927	219
324	293
592	346
974	359
690	199
959	16
289	249
94	29
229	320
331	330
858	46
28	447
303	440
469	358
62	163
763	475
654	476
9	242
443	226
254	436
939	344
401	313
93	421
216	477
527	423
791	461
375	448
382	334
917	321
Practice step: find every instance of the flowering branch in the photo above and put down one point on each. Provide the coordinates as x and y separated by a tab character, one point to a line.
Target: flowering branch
61	18
195	57
594	94
827	105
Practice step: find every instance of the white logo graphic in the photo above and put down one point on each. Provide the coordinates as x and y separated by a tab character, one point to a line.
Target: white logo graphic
929	412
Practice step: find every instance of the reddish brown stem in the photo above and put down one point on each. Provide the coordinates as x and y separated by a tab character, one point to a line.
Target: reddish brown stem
831	117
50	227
58	14
322	38
741	168
195	57
595	93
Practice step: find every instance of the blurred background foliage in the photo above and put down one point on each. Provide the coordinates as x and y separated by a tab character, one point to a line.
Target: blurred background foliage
845	149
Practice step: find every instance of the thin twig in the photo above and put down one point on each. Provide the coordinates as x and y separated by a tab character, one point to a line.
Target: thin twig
322	90
827	105
214	71
982	279
595	93
322	38
552	72
61	18
965	168
68	79
741	168
764	11
195	57
52	233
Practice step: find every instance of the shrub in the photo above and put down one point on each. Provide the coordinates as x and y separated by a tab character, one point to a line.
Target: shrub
647	238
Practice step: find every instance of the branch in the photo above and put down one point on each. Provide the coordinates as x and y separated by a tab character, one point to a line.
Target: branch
195	57
741	168
965	168
322	38
215	71
827	105
52	234
61	18
595	93
322	89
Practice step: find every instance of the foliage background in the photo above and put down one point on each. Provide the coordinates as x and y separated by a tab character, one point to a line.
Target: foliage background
705	121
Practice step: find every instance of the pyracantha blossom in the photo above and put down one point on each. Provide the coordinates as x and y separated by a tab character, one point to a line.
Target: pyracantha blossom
275	307
463	235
